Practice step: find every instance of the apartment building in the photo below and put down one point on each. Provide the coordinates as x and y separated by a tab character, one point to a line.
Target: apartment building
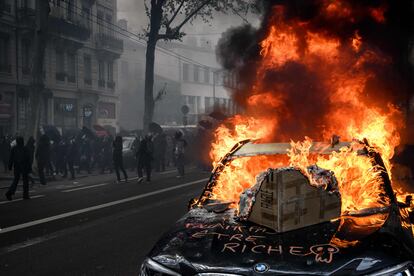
185	74
80	65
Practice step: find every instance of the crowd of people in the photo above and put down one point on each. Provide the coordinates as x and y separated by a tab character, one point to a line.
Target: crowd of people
68	156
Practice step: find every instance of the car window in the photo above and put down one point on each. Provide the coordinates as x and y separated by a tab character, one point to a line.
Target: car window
127	143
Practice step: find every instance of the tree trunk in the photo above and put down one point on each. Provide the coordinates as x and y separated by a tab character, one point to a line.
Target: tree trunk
37	82
149	83
155	25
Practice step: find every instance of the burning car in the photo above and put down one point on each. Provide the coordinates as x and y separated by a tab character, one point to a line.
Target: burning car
295	218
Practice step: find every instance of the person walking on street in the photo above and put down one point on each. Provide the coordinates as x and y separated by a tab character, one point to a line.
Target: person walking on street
179	151
71	157
144	158
43	157
20	162
61	153
118	158
160	147
106	155
30	145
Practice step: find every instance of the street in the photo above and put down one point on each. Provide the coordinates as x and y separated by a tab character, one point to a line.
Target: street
91	226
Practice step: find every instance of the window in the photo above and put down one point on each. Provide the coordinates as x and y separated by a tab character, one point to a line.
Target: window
101	73
87	64
60	65
70	10
65	114
99	21
26	56
106	110
191	104
208	104
206	75
196	73
110	77
4	55
86	17
108	20
110	71
71	67
185	71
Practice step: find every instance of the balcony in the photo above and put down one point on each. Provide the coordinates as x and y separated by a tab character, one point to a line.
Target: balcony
108	44
69	24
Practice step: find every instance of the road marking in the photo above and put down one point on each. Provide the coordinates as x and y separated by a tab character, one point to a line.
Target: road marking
167	172
84	188
97	207
20	199
98	222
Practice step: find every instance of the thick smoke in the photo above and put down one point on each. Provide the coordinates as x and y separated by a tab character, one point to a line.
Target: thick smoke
386	27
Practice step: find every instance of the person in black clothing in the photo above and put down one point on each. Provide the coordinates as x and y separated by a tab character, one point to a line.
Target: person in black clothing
20	161
144	158
30	145
118	159
179	152
160	147
71	156
61	152
106	154
43	157
5	151
85	155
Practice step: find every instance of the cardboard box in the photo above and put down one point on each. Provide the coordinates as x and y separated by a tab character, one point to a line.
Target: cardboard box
286	201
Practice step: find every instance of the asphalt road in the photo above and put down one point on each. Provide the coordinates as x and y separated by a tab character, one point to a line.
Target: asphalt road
92	226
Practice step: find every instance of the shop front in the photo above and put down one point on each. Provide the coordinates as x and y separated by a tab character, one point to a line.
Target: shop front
107	116
65	114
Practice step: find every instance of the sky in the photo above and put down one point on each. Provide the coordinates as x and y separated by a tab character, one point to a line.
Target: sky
134	12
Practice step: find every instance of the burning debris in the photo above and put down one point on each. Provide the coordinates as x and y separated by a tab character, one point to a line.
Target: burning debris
284	200
322	178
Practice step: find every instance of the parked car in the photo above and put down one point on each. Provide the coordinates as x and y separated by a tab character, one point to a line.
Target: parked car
129	145
211	240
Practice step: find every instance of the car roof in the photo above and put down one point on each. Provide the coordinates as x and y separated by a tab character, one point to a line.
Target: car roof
252	149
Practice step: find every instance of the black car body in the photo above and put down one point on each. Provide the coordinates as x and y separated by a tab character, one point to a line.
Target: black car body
210	240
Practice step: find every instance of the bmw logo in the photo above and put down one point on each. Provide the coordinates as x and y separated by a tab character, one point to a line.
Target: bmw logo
261	268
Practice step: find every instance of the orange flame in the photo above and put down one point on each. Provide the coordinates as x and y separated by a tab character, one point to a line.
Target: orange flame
353	113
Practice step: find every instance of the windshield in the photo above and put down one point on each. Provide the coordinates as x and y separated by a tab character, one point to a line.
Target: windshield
127	143
359	181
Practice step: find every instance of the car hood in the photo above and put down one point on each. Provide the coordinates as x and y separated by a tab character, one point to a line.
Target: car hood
204	241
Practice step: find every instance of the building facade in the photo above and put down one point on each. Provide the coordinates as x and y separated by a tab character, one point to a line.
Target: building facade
80	64
185	74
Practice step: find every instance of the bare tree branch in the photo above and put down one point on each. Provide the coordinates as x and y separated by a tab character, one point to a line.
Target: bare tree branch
189	16
175	13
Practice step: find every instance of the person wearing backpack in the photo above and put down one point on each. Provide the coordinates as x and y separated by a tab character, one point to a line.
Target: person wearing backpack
20	162
144	158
